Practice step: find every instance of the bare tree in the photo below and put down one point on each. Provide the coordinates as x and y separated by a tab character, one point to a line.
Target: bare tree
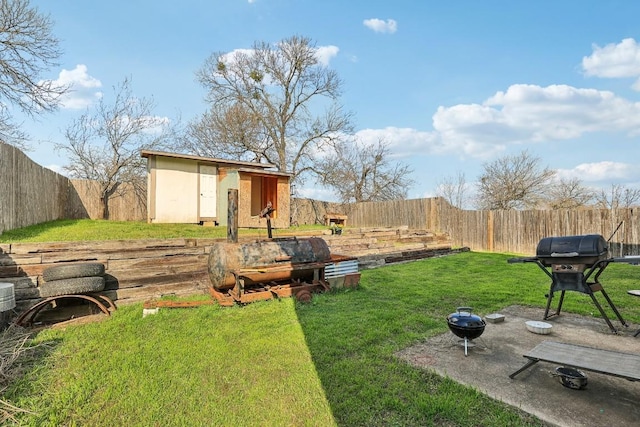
27	49
454	190
569	194
513	182
362	173
105	145
275	103
617	196
232	132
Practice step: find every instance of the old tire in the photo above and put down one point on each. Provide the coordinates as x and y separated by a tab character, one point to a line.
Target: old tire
71	271
76	285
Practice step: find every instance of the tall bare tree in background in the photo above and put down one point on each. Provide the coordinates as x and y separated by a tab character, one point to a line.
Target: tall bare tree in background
27	49
513	182
229	132
274	103
454	190
358	172
569	194
619	200
617	196
104	145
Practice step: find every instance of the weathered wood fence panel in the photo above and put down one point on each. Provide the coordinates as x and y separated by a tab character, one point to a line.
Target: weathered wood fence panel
414	213
124	205
31	194
309	211
501	231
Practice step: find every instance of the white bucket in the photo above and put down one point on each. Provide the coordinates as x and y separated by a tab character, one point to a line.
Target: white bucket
7	297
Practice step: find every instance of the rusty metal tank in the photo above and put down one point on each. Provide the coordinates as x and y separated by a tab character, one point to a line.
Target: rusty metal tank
266	261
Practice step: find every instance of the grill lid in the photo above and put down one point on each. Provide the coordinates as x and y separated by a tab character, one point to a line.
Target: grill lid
590	245
464	324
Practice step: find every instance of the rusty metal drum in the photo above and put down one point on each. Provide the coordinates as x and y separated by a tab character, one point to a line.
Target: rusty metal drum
266	261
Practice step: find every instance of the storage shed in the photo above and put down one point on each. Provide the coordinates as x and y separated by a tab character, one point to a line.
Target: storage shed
183	188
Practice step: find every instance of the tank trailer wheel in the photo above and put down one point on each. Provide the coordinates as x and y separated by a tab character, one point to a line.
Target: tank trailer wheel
304	296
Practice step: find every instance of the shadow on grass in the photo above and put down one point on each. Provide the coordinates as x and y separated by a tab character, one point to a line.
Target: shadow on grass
354	334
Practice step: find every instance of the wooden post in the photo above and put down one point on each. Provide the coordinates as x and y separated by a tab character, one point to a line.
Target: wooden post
490	232
232	216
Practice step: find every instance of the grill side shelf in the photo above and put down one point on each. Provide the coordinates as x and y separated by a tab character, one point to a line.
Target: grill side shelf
518	260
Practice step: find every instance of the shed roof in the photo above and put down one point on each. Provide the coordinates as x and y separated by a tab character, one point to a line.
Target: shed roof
232	163
264	172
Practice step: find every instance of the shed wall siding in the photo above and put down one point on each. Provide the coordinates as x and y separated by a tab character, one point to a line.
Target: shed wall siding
176	192
280	218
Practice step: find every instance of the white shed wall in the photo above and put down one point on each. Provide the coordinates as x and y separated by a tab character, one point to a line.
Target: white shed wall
176	190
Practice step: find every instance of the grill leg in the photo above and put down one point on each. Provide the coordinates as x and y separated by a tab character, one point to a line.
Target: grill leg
613	307
603	314
549	299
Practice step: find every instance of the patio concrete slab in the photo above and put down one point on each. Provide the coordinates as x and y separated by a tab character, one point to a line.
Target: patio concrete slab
606	401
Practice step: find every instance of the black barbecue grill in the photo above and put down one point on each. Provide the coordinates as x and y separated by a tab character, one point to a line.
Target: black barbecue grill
574	263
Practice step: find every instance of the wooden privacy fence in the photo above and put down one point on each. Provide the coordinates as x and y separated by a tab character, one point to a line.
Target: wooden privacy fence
509	231
124	205
31	194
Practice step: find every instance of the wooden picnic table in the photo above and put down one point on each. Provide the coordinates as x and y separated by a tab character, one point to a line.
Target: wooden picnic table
615	363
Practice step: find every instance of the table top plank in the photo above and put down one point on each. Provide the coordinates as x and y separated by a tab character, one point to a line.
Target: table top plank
625	365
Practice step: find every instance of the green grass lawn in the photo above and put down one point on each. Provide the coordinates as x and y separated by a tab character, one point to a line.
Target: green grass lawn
283	363
88	230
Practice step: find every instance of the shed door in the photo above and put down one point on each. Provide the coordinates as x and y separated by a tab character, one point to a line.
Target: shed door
208	191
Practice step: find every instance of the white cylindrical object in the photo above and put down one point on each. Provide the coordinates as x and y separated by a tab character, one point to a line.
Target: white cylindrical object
7	296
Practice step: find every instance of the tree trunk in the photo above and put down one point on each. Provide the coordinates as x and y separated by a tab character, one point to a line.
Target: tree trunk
104	202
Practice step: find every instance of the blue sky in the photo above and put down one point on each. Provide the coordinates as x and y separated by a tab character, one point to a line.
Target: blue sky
449	85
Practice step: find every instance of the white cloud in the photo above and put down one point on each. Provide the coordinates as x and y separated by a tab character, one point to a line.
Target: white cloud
530	113
620	60
606	171
380	26
402	141
325	53
82	88
522	114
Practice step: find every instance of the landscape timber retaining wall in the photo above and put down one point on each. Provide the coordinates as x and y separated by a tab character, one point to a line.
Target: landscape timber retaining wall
139	270
135	270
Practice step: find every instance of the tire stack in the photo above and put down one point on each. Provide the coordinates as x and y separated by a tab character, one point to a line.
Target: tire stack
72	279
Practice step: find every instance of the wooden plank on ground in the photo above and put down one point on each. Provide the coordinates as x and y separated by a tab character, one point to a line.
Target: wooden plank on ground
77	256
13	259
155	291
198	260
101	245
625	365
113	282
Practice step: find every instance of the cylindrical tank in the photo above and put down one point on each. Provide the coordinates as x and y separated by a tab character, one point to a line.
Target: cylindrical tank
7	297
257	258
